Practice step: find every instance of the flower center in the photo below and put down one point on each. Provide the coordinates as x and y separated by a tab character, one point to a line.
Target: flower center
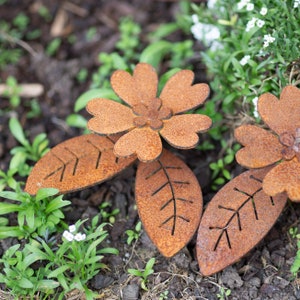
152	114
291	143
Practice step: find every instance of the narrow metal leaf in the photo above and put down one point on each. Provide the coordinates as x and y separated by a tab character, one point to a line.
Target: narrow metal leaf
169	202
76	164
235	221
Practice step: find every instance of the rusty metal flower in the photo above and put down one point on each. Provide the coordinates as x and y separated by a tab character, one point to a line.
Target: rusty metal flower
280	147
146	116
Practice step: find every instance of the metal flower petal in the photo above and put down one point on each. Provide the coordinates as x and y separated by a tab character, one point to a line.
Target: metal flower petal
281	115
149	115
144	142
284	178
181	95
110	117
181	131
141	87
262	148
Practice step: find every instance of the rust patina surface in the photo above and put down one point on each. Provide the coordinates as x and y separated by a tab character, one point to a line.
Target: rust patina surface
235	220
279	147
146	117
169	202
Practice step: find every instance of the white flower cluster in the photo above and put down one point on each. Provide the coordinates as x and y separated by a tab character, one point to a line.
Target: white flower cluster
206	32
71	234
263	11
247	3
296	3
245	60
268	39
254	21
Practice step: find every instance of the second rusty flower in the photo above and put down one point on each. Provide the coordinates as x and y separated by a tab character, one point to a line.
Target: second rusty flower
147	116
279	148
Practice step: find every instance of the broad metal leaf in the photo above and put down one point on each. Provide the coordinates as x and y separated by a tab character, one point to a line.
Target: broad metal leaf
76	164
235	220
169	202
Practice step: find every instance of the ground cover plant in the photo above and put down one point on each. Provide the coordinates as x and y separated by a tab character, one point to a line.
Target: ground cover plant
46	260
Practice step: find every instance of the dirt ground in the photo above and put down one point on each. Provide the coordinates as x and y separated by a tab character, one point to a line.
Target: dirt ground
262	274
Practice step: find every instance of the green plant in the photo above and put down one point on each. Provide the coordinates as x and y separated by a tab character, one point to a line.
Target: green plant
134	234
36	215
107	215
293	231
223	293
21	21
12	91
220	173
27	151
78	258
7	179
244	55
53	46
163	295
21	277
144	274
61	266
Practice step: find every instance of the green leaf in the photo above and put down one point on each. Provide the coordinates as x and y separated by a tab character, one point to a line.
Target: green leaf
10	231
45	193
108	251
17	131
164	30
24	283
76	120
58	271
135	272
33	257
6	208
154	53
47	284
82	101
55	204
30	219
11	195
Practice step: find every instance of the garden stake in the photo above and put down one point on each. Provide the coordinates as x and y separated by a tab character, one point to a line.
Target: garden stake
244	210
168	195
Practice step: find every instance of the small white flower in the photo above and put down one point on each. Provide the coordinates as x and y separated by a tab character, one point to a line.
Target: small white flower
242	4
72	228
260	23
245	60
211	3
79	236
205	32
251	24
195	19
216	45
267	40
250	6
263	11
296	3
255	112
68	236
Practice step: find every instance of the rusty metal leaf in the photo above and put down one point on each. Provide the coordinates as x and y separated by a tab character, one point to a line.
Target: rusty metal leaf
169	202
235	220
77	163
